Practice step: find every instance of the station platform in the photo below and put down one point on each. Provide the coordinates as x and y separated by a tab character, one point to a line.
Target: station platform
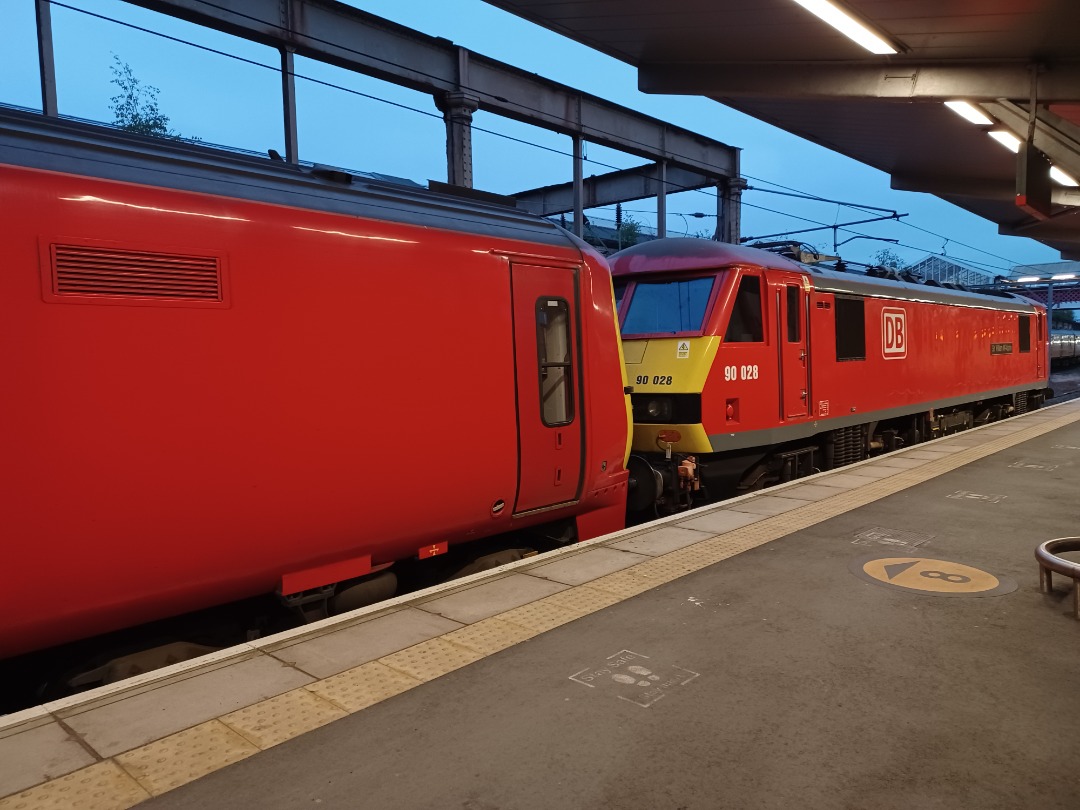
868	637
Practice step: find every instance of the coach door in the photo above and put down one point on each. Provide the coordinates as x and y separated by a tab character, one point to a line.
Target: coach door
548	390
790	299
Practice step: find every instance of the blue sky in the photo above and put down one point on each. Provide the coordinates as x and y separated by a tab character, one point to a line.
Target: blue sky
227	101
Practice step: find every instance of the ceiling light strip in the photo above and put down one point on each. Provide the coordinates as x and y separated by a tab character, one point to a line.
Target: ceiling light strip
848	25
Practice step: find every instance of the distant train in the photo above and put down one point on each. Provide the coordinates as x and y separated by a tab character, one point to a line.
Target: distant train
749	369
1064	348
226	376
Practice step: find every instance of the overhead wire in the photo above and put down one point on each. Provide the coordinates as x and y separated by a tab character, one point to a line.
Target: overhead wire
826	226
524	107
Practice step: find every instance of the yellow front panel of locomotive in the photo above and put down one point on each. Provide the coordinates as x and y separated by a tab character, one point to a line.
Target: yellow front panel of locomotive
669	365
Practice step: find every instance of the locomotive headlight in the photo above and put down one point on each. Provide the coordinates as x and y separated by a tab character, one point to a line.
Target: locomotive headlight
659	409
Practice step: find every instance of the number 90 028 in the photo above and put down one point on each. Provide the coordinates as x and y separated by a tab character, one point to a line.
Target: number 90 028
749	372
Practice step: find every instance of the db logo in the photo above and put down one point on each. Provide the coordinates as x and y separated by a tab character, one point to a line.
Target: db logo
893	333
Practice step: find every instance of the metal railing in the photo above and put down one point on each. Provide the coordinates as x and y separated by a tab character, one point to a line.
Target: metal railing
1050	564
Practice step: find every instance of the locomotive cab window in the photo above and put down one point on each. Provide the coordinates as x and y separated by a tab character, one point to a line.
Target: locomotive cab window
745	325
850	328
554	361
1025	333
668	307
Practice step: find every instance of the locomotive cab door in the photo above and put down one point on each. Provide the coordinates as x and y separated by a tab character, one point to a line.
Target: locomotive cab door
1041	345
548	359
790	308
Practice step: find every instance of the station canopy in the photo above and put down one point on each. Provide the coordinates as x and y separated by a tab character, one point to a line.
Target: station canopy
774	60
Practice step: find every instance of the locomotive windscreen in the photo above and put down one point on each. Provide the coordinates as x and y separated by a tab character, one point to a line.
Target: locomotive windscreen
668	307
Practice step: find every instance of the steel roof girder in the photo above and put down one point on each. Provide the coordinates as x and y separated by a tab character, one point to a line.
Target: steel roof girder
978	188
1054	137
338	34
611	188
900	80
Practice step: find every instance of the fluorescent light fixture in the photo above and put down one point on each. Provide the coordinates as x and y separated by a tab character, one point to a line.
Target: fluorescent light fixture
1026	279
969	111
847	25
1062	177
1063	276
1006	139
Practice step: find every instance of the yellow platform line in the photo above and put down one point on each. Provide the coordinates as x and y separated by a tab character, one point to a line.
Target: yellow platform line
126	779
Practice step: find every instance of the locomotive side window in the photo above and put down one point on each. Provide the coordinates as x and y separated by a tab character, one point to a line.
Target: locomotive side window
850	328
553	347
745	324
620	292
1025	333
794	330
668	307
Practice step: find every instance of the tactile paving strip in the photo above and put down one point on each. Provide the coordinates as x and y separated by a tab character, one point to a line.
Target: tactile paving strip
539	616
428	660
363	686
283	717
488	636
183	757
582	600
164	764
101	786
624	584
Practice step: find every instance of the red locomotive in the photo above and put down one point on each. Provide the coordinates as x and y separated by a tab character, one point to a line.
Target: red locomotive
227	376
749	369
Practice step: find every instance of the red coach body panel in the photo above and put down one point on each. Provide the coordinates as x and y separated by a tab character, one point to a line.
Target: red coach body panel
351	394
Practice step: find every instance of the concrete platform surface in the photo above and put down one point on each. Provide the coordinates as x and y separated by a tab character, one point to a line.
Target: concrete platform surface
861	639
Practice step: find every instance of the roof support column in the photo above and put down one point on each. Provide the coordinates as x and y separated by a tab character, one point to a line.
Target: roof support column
661	200
288	105
45	58
457	109
729	210
579	186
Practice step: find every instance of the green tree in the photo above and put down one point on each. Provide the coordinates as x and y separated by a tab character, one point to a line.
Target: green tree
135	107
629	231
888	258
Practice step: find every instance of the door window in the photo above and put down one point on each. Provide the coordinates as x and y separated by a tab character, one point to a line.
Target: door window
553	346
794	325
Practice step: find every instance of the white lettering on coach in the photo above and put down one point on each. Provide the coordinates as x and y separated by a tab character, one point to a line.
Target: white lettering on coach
894	334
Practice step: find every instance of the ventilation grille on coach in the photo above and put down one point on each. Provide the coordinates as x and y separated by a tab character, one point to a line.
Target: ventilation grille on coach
83	270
